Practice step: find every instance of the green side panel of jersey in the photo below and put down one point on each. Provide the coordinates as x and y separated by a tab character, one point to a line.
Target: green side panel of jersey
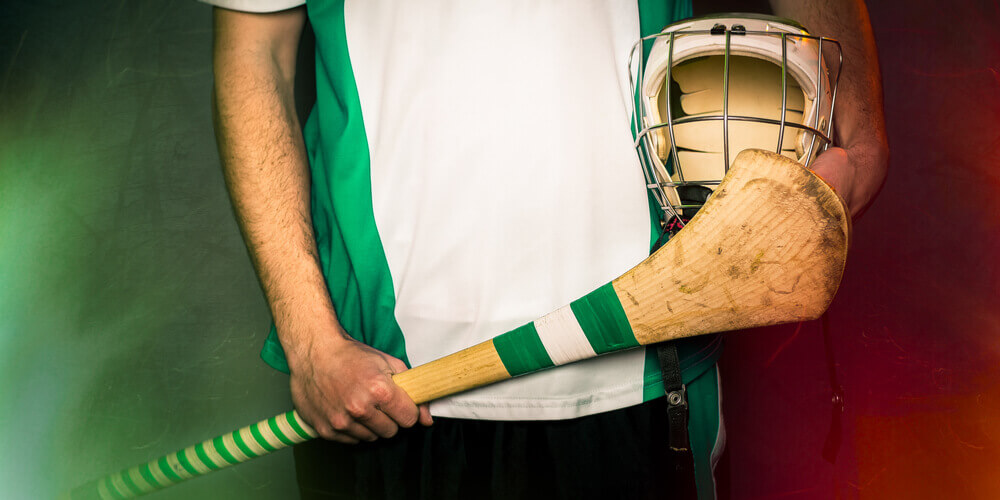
350	250
697	354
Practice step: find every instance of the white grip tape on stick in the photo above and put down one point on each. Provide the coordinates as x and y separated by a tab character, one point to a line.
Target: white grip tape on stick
563	337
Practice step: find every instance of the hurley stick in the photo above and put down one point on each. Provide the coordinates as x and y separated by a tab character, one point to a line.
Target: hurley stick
768	247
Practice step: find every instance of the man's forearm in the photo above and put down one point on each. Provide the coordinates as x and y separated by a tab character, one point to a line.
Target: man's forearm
267	174
343	388
859	119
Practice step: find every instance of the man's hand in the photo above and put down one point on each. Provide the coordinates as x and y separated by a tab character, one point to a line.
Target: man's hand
841	168
344	389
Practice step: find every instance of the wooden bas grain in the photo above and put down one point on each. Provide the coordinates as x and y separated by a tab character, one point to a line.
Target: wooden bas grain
769	247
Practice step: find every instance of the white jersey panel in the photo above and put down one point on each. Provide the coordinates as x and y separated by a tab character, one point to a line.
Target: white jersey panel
504	180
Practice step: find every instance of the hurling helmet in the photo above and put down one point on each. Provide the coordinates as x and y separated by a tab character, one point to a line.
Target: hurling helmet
710	87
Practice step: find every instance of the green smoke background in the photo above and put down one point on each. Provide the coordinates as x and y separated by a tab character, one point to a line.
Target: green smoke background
130	318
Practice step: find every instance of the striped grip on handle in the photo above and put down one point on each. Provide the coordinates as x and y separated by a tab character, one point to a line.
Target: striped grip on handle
252	441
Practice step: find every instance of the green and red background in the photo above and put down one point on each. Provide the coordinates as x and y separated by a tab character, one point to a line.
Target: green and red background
130	319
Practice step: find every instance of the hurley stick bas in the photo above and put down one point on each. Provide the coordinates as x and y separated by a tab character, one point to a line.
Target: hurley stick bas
768	247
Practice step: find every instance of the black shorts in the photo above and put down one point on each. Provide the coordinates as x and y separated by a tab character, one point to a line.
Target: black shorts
617	454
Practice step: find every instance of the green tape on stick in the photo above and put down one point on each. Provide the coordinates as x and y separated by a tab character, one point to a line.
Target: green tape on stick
272	423
186	463
603	320
293	421
133	488
110	489
521	350
255	431
148	476
199	450
238	439
220	447
118	487
168	470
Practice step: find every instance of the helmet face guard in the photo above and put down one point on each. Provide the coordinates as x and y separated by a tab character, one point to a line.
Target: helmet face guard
713	86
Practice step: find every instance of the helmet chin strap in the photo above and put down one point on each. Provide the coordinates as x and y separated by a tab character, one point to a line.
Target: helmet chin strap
692	197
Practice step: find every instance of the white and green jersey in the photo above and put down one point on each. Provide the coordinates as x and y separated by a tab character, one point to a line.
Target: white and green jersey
473	169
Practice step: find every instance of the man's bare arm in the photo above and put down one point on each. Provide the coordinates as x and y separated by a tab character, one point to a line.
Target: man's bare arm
858	168
342	387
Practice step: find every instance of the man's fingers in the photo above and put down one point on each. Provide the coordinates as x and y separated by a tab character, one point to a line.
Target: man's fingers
391	399
397	365
831	166
396	403
380	424
374	407
343	438
834	166
331	435
425	415
831	158
326	430
345	424
400	406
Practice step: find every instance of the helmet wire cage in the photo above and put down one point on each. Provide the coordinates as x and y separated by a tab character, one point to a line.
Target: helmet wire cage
679	197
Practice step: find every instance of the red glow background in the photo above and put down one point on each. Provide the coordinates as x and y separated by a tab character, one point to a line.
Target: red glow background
915	328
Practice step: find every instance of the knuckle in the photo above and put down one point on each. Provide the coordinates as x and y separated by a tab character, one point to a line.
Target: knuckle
340	422
397	365
381	392
359	410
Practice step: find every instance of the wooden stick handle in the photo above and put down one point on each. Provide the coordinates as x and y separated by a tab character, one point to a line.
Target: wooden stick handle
466	369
